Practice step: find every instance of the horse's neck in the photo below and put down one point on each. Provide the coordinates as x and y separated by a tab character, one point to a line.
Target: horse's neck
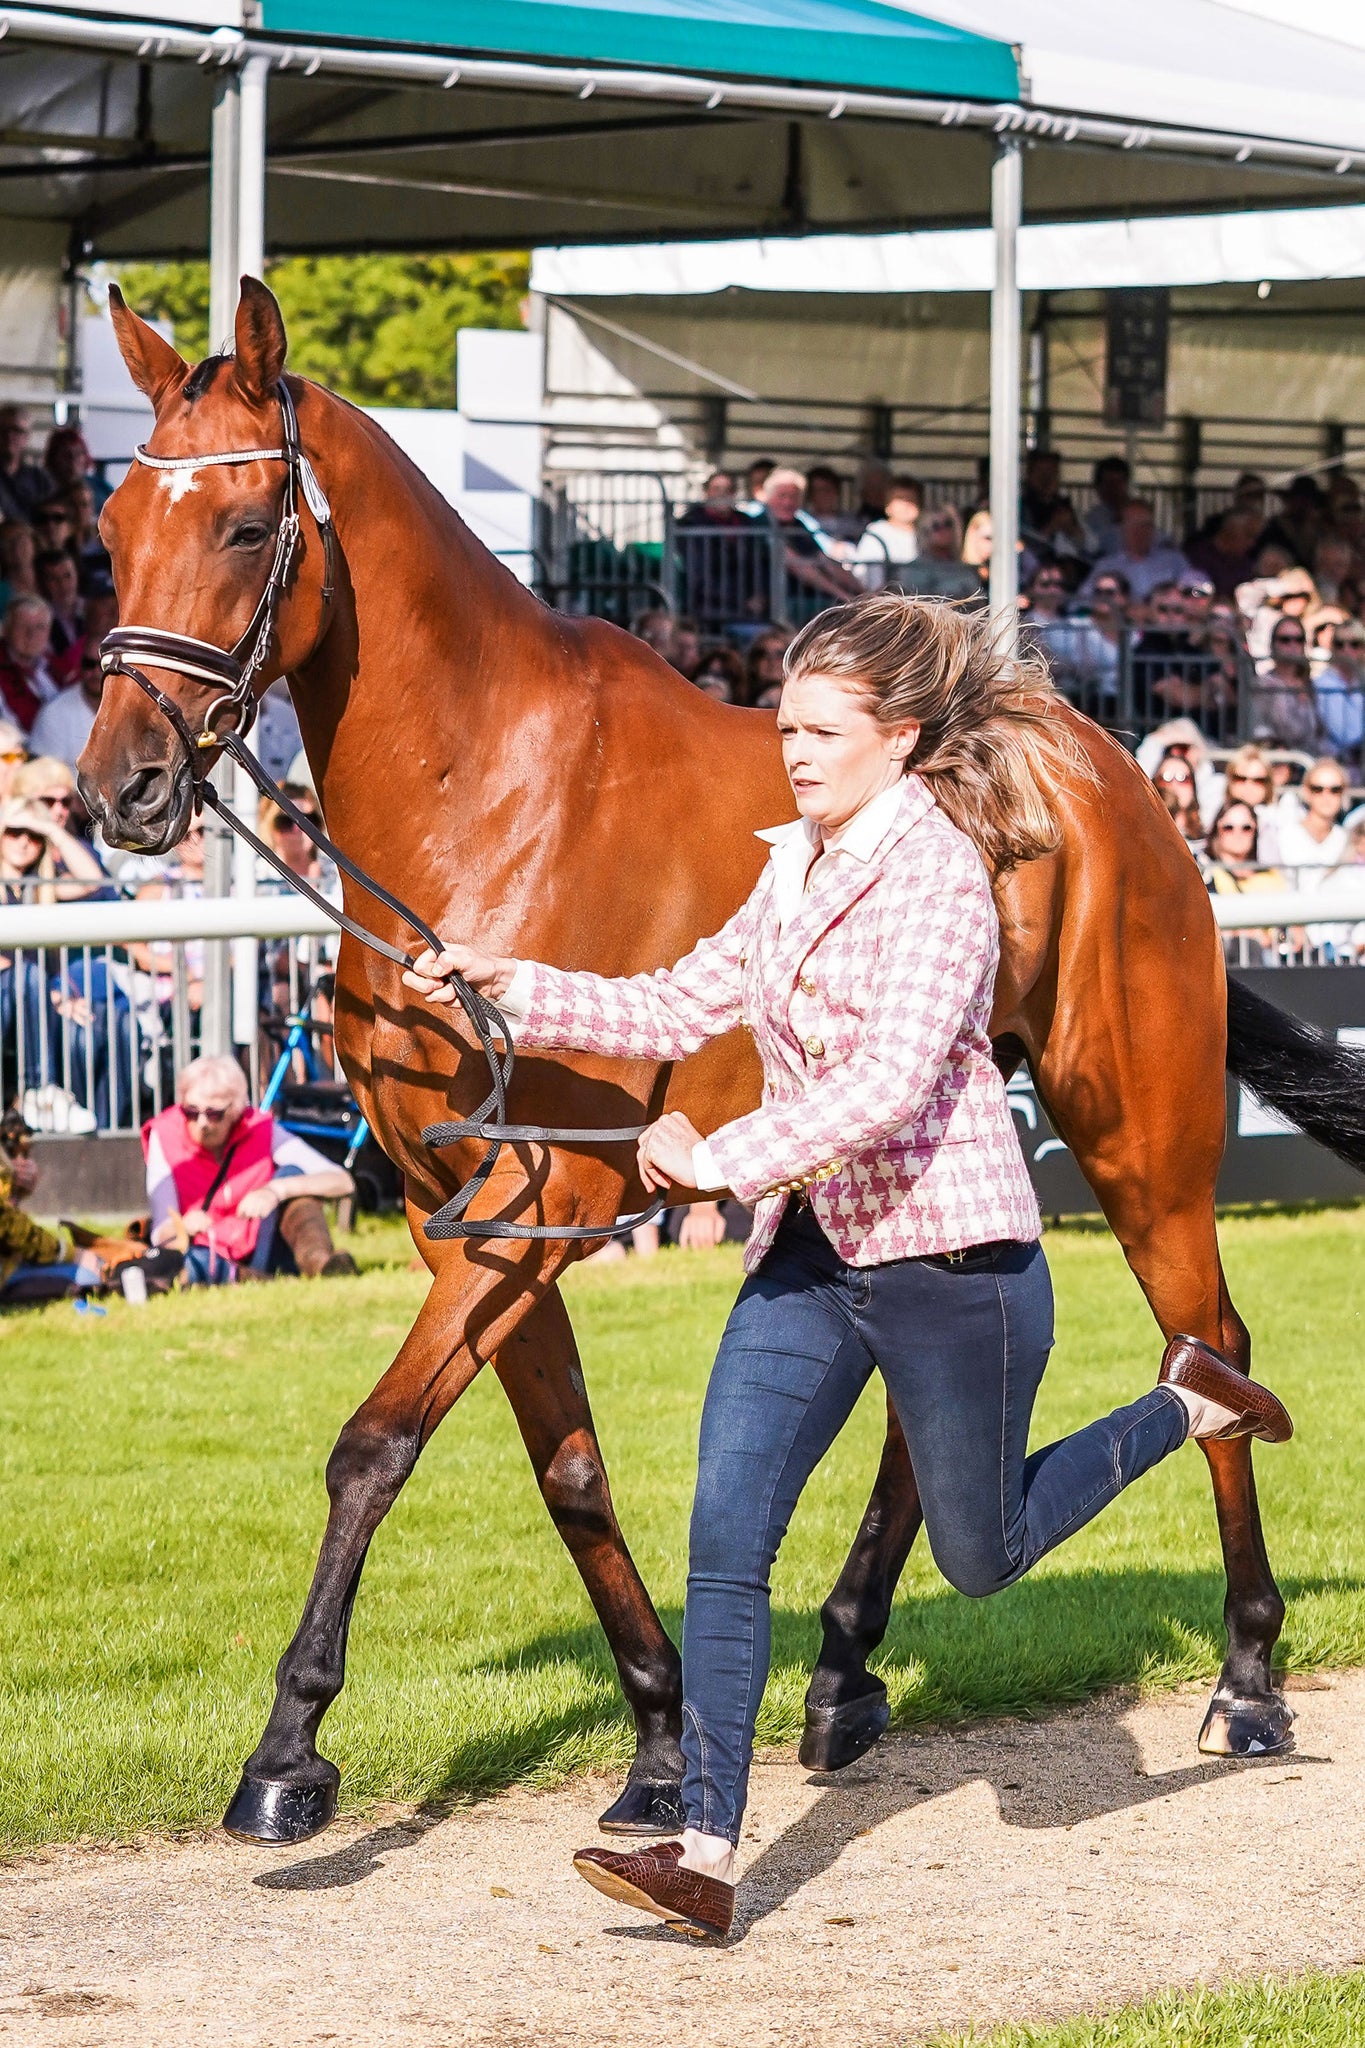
413	686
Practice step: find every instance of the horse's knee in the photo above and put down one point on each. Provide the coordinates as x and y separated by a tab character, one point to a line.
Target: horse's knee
370	1461
574	1488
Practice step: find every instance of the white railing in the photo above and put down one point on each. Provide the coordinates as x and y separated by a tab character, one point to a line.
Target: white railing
101	1002
1323	927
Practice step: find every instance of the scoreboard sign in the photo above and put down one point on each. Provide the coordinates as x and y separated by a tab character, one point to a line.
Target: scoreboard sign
1137	335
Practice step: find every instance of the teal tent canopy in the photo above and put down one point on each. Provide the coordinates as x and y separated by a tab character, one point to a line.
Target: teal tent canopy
855	43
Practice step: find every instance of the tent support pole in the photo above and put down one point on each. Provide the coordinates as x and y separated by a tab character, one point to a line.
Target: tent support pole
224	210
250	262
1007	179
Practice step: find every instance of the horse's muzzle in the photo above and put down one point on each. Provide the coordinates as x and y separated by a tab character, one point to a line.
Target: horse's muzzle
147	813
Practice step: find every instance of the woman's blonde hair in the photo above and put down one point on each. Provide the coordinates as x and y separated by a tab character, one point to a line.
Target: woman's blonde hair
990	747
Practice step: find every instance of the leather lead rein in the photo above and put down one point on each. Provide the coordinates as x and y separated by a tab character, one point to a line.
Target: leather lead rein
233	674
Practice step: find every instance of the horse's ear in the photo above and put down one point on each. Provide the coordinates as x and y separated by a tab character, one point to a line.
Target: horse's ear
153	364
261	342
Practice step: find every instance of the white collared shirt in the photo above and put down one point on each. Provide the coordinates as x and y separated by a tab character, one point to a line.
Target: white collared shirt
795	846
793	850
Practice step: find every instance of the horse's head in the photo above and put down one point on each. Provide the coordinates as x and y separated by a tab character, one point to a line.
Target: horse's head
193	548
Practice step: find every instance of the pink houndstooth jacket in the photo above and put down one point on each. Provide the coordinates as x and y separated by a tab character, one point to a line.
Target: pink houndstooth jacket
869	1002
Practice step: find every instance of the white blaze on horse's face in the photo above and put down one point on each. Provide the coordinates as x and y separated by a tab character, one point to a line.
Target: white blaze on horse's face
177	484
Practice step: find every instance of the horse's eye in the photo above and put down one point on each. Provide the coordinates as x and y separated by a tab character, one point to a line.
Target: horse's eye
252	535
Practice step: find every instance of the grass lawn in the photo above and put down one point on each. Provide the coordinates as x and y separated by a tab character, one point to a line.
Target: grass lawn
163	1500
1312	2012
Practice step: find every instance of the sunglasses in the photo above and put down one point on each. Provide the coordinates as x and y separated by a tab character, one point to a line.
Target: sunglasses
1106	590
1254	781
196	1113
1225	829
1325	788
56	800
1175	775
1288	640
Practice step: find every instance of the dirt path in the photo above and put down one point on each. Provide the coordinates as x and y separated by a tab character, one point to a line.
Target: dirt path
1007	1871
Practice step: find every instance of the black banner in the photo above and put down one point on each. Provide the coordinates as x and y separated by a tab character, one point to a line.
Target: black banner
1266	1160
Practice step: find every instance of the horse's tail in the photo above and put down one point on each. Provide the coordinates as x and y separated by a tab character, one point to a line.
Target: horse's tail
1298	1070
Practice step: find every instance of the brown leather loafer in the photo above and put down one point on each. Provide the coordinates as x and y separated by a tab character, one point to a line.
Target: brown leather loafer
1256	1411
650	1879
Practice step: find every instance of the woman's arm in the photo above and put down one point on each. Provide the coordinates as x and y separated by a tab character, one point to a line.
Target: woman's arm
80	863
937	950
662	1016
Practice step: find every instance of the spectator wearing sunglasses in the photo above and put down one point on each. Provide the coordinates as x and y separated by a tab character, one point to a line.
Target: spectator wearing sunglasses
1285	708
939	570
1231	869
1312	836
1174	783
1247	779
231	1190
1340	690
1083	648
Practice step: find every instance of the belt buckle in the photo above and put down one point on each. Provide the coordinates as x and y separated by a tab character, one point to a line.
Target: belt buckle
955	1258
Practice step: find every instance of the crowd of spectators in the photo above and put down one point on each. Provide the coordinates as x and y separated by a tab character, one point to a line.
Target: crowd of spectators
1252	622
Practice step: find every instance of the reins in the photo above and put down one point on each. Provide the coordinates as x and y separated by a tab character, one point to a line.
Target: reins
233	673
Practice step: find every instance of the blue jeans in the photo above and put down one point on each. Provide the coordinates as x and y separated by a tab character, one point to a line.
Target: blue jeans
962	1350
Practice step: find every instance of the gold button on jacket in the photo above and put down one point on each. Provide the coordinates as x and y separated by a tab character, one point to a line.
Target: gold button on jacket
806	985
816	1048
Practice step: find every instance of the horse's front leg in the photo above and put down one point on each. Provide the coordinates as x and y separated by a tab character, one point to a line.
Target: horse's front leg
846	1705
288	1792
541	1375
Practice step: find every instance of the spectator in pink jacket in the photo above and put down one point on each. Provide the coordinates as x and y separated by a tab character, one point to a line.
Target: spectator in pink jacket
896	1226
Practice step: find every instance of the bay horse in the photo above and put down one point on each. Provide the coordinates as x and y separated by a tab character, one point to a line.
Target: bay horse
546	786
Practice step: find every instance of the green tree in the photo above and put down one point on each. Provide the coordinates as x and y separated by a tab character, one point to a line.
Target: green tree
378	329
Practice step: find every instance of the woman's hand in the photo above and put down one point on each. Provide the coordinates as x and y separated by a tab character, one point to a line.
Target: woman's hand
260	1202
196	1220
665	1152
483	971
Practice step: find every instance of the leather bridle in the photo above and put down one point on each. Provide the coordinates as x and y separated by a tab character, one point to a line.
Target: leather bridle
233	673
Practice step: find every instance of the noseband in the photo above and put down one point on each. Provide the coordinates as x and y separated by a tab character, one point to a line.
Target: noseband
232	673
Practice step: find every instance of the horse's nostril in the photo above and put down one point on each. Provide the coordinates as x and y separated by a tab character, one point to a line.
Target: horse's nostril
147	791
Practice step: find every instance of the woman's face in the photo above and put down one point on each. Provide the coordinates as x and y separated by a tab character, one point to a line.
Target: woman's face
1324	792
1289	642
20	850
1235	838
1178	776
836	753
1251	784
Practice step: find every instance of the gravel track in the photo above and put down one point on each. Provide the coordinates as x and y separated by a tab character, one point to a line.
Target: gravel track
1008	1870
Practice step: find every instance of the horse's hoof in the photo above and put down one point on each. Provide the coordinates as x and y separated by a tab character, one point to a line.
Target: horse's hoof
645	1809
836	1737
266	1810
1246	1727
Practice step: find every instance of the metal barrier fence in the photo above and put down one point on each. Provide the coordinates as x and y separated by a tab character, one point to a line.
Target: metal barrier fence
1318	920
100	1002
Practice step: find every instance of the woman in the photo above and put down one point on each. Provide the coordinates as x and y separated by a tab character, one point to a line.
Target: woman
1230	869
41	859
1248	779
232	1191
976	546
1174	780
863	964
890	542
763	683
1285	709
720	674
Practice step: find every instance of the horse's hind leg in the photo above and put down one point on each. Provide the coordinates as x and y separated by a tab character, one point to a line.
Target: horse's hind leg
540	1372
1246	1716
846	1706
288	1792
